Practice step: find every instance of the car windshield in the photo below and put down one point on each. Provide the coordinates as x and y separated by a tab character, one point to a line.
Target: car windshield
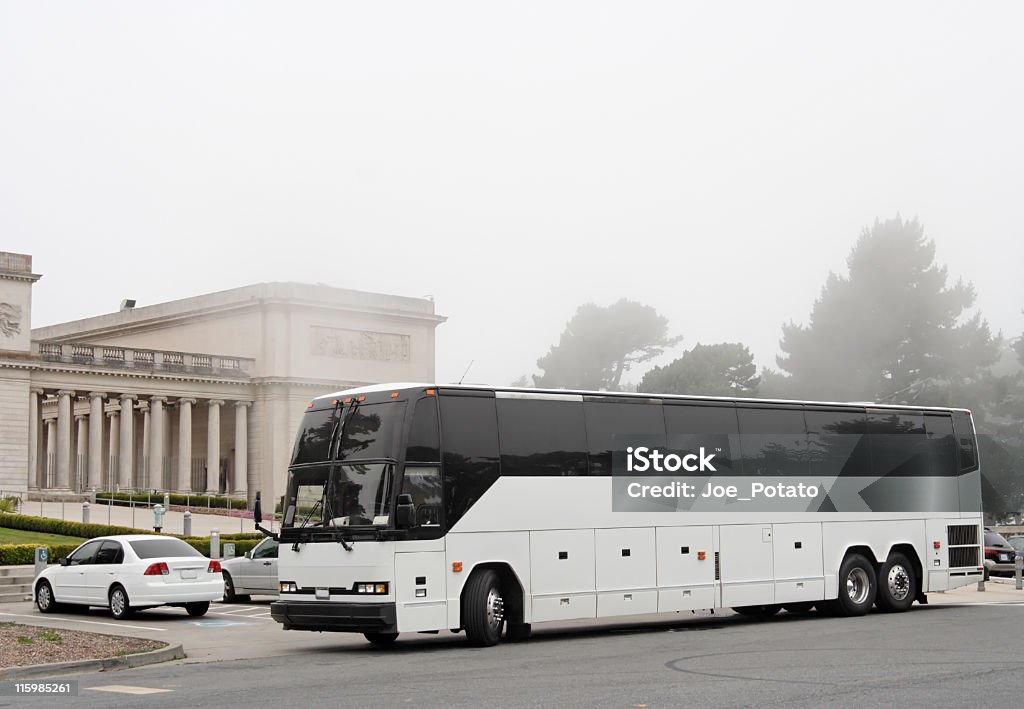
353	494
166	547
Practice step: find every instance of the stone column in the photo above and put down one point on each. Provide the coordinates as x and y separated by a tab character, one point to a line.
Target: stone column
96	439
51	453
81	451
114	449
125	459
156	442
63	481
146	422
241	482
213	445
36	478
185	444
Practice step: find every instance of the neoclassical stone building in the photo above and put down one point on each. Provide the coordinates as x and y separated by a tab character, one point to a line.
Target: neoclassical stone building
202	394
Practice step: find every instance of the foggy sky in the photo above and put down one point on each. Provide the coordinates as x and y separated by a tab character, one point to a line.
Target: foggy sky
513	161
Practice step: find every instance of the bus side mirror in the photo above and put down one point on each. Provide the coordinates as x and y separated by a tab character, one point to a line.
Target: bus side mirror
257	510
406	514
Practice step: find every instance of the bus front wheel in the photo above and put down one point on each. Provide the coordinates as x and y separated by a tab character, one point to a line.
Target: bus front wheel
381	638
483	609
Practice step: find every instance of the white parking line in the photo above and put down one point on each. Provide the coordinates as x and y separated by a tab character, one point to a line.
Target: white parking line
88	622
233	611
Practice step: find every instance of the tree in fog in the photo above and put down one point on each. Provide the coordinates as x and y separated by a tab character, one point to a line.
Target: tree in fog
893	330
725	369
600	343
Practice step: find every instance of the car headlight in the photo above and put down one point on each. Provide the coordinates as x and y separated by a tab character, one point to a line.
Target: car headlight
376	587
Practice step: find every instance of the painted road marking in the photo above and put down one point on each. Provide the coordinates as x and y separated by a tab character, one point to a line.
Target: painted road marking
89	622
128	689
214	623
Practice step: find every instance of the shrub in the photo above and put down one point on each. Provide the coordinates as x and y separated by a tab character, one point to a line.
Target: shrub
16	554
65	527
9	503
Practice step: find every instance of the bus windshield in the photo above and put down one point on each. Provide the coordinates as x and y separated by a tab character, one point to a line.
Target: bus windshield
355	494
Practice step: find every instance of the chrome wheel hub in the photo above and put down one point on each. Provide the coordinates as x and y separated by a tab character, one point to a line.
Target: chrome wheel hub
495	608
117	602
857	585
899	583
43	597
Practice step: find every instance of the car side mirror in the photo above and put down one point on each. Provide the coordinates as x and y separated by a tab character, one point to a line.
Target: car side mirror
248	554
63	561
405	517
257	510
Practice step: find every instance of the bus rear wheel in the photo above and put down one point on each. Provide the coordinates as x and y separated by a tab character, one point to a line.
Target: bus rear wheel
897	584
858	587
483	609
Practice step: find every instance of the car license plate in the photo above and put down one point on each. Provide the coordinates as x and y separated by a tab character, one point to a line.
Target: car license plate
188	573
1004	557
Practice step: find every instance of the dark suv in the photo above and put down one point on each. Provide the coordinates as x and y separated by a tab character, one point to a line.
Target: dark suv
999	555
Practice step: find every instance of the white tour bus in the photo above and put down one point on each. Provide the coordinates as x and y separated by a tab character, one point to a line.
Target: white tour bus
419	508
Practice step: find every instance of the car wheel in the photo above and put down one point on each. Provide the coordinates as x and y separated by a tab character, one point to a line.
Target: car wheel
197	609
120	608
381	638
758	611
897	584
229	591
44	598
858	587
483	609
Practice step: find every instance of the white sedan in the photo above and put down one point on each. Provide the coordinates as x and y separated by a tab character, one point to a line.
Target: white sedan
131	572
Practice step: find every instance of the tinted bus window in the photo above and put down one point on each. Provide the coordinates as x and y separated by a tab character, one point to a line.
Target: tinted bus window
372	431
966	442
773	441
469	445
424	442
541	437
941	444
714	428
313	443
837	443
606	420
898	444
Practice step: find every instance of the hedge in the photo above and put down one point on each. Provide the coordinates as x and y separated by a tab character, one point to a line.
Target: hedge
11	554
211	501
88	531
65	527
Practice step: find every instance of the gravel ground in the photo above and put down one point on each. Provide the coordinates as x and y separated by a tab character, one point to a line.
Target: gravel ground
33	645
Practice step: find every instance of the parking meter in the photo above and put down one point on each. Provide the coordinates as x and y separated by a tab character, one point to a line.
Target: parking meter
158	517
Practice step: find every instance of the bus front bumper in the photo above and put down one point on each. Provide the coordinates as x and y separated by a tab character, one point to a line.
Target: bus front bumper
335	617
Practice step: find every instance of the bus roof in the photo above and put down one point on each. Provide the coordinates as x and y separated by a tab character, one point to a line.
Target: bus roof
525	392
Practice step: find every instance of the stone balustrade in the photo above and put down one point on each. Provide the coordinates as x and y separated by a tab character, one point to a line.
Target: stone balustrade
143	359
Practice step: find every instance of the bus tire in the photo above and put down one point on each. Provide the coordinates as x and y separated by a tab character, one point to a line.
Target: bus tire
517	632
483	609
381	639
897	584
858	586
758	611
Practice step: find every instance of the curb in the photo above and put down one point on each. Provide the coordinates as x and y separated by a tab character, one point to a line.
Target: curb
122	662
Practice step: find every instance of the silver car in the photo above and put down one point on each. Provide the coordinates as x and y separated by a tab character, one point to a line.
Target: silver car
255	573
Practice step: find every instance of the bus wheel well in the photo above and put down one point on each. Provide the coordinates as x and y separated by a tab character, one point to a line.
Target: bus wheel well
511	589
864	551
910	552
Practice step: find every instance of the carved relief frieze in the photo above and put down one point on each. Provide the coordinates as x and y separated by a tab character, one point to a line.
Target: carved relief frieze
358	344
